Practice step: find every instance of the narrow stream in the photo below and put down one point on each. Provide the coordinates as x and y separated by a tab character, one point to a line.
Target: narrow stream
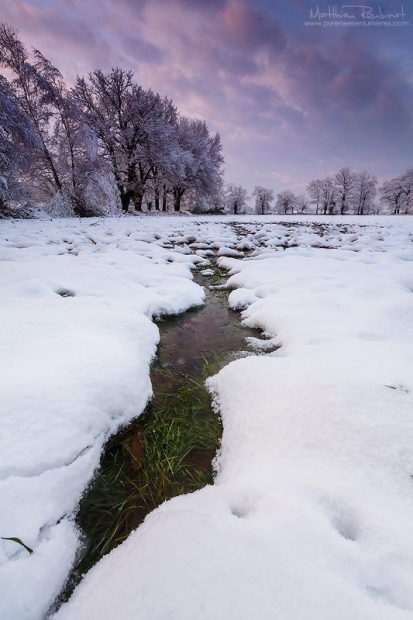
168	449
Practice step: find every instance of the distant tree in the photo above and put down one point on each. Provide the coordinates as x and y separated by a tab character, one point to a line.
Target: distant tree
263	198
397	193
345	183
314	189
285	202
365	192
328	196
302	203
236	198
212	203
391	194
215	201
407	199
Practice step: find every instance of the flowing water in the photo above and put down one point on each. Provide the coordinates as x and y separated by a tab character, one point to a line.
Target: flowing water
167	450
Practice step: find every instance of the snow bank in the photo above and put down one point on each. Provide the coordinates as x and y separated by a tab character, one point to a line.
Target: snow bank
310	515
76	343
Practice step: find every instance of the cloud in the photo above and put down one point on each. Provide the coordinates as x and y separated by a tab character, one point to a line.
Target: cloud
289	101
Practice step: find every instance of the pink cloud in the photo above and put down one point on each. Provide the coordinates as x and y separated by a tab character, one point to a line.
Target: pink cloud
283	96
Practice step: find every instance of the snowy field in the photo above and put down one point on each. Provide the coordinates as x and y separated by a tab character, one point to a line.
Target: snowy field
311	513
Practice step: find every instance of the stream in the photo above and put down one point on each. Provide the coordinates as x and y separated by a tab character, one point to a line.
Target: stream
169	449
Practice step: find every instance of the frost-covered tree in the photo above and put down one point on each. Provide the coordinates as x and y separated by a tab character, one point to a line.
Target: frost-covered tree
314	189
263	198
285	202
345	183
364	192
397	194
61	159
17	134
198	161
30	90
328	196
347	191
129	123
106	128
236	198
407	198
302	203
17	140
391	194
211	203
164	157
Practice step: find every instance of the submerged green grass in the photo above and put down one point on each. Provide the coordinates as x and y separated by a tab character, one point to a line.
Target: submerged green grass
165	453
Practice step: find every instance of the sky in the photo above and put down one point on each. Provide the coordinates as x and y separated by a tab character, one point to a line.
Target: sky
296	89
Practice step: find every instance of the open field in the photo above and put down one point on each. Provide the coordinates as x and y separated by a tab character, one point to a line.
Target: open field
310	513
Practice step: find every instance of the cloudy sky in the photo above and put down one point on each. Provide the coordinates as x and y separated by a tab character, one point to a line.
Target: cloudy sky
293	100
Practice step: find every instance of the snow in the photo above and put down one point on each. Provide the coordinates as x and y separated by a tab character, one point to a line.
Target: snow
77	340
310	513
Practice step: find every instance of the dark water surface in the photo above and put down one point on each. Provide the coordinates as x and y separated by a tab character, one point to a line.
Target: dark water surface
209	335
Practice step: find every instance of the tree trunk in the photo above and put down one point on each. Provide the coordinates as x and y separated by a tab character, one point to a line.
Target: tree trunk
138	202
177	200
235	208
125	200
164	206
156	199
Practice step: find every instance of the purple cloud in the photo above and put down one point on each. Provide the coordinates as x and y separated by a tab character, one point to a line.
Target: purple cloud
292	102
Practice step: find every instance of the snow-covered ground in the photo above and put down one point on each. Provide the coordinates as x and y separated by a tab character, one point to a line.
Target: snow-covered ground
311	513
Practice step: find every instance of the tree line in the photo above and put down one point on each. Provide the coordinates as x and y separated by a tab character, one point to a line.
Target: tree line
347	192
106	139
107	143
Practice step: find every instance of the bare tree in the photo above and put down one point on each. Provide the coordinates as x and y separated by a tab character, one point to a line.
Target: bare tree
30	89
365	192
345	182
61	160
17	141
163	156
263	198
397	193
302	203
328	196
314	189
236	198
286	201
198	161
129	124
407	199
